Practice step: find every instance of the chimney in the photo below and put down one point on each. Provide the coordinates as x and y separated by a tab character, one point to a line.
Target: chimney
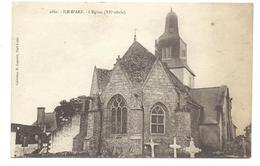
40	115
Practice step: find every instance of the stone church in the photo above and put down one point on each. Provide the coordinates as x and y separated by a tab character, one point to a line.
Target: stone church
148	96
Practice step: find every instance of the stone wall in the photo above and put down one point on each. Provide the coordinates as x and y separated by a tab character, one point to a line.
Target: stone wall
210	137
119	84
91	141
20	151
159	89
62	138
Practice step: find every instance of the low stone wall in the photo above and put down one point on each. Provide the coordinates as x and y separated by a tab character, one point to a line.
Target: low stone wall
62	139
22	151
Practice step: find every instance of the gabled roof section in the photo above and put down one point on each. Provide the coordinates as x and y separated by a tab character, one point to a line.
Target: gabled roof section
103	77
211	99
137	63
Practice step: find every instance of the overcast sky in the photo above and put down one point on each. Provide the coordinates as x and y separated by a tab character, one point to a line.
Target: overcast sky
57	52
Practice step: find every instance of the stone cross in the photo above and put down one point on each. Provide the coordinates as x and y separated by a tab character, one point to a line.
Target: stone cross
175	146
152	144
192	149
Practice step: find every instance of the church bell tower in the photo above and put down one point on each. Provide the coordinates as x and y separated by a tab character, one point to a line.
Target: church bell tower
172	51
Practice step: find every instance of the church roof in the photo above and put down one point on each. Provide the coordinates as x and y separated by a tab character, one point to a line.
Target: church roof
137	62
171	32
211	99
103	77
169	37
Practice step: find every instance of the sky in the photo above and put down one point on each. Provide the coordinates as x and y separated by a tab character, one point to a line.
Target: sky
58	51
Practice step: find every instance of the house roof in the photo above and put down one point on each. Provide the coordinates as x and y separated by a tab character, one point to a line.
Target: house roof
26	129
49	121
137	63
211	99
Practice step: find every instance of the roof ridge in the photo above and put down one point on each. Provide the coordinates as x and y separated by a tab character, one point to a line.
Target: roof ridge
133	44
103	69
208	87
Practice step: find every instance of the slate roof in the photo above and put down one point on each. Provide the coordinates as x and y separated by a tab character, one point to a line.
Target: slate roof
211	99
137	62
166	37
28	131
103	77
171	22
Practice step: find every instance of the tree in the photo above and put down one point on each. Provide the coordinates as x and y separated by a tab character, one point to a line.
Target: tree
237	144
66	110
248	139
248	133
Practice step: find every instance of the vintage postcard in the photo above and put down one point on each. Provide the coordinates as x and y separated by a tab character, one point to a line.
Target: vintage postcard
131	80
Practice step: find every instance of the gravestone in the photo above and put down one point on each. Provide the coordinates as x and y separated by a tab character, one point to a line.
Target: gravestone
152	145
192	149
175	146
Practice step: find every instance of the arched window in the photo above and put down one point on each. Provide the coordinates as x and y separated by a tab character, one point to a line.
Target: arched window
157	120
118	110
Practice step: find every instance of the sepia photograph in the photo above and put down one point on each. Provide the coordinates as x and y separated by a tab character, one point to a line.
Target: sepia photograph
131	80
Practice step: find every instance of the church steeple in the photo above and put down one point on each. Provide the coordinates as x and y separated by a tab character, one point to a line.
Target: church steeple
172	50
171	24
170	44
